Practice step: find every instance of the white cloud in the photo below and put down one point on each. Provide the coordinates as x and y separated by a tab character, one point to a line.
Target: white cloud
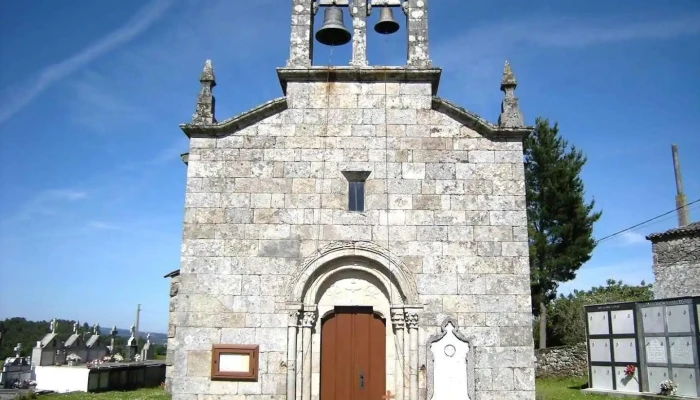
631	238
13	103
478	69
45	203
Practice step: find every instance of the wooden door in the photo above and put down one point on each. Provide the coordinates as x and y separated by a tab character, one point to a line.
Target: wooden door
353	355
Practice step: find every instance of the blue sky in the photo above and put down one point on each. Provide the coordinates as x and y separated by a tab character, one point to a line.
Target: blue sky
91	93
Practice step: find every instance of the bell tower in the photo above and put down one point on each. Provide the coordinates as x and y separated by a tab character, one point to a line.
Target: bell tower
333	32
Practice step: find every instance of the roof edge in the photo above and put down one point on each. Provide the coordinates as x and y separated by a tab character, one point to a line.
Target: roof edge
691	229
172	274
237	122
360	74
475	122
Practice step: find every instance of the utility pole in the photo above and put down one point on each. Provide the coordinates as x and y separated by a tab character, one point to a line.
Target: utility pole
683	217
138	314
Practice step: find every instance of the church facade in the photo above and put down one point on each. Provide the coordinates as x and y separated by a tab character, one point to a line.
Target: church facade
361	234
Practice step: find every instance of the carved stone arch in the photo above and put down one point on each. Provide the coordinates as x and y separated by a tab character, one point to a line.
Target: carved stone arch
384	264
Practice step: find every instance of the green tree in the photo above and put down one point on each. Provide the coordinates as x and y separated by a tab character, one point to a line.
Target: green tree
560	219
566	316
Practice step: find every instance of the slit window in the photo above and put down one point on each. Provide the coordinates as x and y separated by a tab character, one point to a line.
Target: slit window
356	189
356	200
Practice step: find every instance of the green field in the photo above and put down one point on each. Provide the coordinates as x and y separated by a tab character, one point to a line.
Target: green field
565	389
142	394
547	389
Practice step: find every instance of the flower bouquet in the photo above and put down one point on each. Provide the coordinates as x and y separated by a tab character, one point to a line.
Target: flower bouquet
72	359
668	387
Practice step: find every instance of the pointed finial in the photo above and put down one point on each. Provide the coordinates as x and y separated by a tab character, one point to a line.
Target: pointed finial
208	73
75	326
508	80
206	104
510	117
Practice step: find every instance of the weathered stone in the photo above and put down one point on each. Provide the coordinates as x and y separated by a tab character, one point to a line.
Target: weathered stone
268	225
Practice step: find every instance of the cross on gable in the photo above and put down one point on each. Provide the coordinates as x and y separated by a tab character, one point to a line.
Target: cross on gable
388	395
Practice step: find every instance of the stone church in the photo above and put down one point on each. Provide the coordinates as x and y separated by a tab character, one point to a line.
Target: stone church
357	238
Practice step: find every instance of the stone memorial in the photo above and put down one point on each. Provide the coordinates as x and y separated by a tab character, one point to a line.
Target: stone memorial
48	350
348	217
452	372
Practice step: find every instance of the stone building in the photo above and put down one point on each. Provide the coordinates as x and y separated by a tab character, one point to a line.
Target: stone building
676	261
351	227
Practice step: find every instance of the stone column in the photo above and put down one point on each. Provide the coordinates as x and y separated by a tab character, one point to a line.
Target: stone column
300	42
417	29
292	323
307	326
412	325
397	318
358	12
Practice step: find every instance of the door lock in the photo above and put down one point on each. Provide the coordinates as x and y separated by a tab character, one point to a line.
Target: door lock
362	380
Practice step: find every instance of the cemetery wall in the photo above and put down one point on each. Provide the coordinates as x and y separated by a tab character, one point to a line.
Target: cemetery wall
563	361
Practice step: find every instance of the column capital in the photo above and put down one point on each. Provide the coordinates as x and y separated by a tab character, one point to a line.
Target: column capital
412	320
398	318
293	317
308	319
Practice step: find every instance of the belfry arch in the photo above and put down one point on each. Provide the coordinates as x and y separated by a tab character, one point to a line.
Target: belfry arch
351	274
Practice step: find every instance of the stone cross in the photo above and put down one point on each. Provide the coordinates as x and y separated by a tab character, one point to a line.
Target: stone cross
18	349
52	326
132	330
75	326
113	332
96	329
148	337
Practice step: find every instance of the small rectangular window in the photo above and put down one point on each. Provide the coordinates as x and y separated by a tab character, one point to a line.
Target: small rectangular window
356	196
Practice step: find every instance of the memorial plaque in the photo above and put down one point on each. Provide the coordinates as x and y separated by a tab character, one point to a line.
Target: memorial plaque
697	311
653	319
655	349
599	350
598	323
602	378
625	350
626	383
234	362
656	375
678	318
685	378
681	350
622	321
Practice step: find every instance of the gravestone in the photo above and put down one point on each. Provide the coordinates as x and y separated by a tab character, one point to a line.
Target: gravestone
452	371
132	347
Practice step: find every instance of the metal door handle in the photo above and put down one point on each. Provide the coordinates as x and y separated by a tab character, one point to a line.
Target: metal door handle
362	381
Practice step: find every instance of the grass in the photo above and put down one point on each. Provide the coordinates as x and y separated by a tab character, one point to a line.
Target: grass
547	389
141	394
565	389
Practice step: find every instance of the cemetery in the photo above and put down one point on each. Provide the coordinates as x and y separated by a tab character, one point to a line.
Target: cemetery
85	362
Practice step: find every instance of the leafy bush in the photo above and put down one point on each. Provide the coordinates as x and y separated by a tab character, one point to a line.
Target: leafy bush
566	322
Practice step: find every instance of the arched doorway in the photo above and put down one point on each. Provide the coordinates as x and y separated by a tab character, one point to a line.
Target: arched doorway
353	355
351	274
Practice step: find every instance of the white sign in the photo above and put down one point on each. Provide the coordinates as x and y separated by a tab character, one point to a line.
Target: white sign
656	351
234	362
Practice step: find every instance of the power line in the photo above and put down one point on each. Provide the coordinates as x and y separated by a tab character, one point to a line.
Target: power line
645	222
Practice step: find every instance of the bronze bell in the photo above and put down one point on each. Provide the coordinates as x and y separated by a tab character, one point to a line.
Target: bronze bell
387	24
333	32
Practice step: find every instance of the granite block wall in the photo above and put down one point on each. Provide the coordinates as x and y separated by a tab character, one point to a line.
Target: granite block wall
447	201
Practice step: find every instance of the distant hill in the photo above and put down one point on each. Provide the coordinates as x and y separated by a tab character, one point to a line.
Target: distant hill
20	330
157	338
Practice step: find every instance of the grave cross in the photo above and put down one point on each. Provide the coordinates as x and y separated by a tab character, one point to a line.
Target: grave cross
388	395
18	349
